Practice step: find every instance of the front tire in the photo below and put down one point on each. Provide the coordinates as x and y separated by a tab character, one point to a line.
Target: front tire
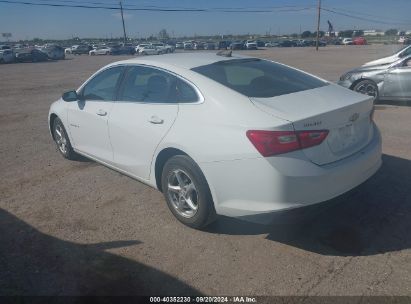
62	141
367	87
187	193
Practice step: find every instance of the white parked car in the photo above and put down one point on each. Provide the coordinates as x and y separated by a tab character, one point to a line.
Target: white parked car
164	48
6	56
347	41
150	50
406	51
140	46
235	136
100	51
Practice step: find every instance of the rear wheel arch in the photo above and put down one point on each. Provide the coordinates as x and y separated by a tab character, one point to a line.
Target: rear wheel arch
161	160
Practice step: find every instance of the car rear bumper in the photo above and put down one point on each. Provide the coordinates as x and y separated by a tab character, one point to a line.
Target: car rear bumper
249	187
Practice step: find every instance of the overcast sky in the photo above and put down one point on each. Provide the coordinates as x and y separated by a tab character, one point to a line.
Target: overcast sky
27	21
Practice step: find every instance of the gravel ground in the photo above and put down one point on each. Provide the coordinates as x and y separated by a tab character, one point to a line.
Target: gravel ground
78	228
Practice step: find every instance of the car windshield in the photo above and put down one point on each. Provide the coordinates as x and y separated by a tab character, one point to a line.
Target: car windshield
259	78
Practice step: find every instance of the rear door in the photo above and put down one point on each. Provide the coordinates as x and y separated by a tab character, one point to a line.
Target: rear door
88	117
146	108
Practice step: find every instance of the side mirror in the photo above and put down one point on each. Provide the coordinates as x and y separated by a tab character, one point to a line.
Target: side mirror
70	96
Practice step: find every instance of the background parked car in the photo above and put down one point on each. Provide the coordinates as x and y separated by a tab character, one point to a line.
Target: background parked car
123	50
347	41
251	45
198	45
209	46
287	43
5	47
188	45
384	82
390	59
102	50
54	52
237	45
359	41
164	48
6	56
81	49
33	55
223	45
140	46
179	45
271	44
260	43
149	50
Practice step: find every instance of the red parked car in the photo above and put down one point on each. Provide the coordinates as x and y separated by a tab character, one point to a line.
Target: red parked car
359	41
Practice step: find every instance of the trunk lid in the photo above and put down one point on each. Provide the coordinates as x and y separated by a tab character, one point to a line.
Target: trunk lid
344	113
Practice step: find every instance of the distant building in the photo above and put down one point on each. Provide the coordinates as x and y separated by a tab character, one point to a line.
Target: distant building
374	33
327	34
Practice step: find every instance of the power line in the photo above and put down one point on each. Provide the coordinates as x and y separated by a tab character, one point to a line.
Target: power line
154	9
363	18
363	14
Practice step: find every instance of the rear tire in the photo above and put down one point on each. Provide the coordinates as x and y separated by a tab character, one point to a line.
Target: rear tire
62	141
187	193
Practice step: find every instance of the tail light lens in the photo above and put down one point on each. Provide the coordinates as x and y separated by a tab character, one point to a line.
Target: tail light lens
270	143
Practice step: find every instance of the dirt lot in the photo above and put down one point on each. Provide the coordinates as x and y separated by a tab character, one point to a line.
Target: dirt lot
78	228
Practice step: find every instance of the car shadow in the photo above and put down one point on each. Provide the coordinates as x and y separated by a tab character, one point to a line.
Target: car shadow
374	218
33	263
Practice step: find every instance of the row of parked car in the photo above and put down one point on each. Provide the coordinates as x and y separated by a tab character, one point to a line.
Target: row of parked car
9	54
122	49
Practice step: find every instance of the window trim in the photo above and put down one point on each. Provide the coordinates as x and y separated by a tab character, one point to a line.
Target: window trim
200	96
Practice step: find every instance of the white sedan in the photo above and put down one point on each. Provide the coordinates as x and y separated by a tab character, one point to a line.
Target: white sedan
100	51
149	50
233	136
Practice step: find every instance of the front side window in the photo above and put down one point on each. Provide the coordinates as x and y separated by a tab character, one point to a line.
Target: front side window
259	78
103	86
145	84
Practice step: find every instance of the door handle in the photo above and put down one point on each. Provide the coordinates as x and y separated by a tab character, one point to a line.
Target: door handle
101	112
156	120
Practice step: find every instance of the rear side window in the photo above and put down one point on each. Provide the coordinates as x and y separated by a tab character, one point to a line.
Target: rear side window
146	84
259	78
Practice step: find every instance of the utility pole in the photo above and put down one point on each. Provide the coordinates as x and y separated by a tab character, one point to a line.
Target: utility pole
318	24
124	27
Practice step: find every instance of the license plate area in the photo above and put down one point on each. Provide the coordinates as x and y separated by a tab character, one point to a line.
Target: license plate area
348	136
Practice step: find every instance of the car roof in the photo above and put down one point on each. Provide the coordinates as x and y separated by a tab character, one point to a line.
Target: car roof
181	60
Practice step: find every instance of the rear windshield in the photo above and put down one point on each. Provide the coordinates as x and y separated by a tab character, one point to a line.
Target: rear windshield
259	78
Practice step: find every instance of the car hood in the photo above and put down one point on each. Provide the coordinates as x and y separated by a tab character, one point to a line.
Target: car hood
368	69
382	61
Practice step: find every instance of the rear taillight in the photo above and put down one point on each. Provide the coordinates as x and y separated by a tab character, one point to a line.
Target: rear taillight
270	143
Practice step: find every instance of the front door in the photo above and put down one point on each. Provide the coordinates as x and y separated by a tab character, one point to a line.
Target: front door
397	82
88	117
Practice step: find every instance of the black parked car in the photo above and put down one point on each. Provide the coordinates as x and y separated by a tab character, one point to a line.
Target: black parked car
223	45
33	55
122	50
82	49
260	43
237	45
287	43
